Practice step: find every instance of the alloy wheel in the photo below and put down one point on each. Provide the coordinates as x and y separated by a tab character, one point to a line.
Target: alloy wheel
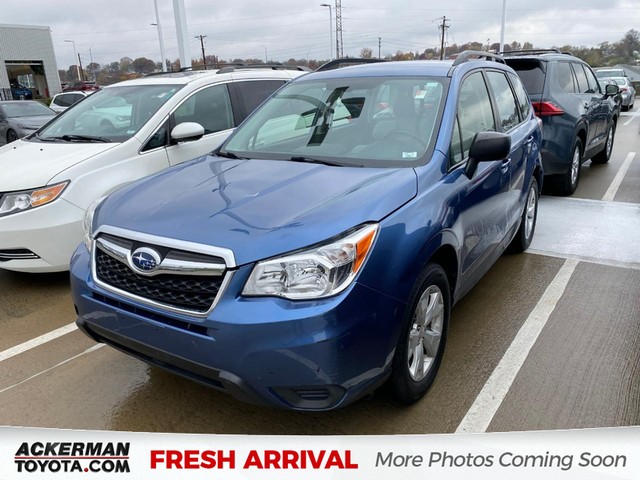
426	333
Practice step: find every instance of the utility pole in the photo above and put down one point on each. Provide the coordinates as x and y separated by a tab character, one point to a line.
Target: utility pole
339	49
443	27
379	45
204	58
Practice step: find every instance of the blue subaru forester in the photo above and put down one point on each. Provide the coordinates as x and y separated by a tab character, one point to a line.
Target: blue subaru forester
318	253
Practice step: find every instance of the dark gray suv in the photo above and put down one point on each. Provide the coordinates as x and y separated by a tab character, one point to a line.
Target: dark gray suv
579	119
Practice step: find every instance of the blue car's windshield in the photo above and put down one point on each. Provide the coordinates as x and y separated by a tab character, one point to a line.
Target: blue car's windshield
112	114
370	121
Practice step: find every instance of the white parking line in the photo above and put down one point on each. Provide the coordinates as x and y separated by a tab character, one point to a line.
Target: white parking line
490	398
615	184
629	121
36	342
88	350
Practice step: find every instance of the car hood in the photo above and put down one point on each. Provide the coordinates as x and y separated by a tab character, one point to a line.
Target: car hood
33	121
257	208
25	165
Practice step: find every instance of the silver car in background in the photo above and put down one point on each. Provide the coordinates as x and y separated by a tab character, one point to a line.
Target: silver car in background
627	91
19	118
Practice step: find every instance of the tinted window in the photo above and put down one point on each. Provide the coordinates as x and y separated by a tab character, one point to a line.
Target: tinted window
158	139
210	107
583	85
521	96
505	101
253	93
531	74
564	77
474	110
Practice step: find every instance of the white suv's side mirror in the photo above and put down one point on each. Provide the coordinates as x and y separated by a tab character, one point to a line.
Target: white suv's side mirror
187	132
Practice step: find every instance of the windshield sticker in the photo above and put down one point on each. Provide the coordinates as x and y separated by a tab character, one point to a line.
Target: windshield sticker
409	154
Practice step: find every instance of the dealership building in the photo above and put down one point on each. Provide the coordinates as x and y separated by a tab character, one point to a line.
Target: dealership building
27	58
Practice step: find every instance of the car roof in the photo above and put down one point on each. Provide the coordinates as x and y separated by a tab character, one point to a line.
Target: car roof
435	68
209	76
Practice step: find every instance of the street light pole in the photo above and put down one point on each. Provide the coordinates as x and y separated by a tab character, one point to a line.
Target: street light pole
93	72
265	54
75	54
504	22
157	24
330	29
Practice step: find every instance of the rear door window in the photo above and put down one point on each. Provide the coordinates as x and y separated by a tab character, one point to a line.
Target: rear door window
583	85
521	96
505	101
565	78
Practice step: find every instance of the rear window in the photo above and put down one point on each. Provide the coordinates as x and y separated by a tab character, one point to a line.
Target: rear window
531	74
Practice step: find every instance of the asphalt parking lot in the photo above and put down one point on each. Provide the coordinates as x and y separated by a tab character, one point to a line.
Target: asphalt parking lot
549	339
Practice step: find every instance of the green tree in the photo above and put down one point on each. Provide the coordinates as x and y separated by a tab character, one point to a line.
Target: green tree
143	65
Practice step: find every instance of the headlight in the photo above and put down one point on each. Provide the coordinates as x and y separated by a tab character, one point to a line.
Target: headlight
20	201
314	273
27	127
87	223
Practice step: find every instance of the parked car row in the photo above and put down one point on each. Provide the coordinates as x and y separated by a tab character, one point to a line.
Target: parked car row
342	219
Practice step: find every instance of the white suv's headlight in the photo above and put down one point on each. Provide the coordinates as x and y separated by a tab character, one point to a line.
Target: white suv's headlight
87	222
318	272
20	201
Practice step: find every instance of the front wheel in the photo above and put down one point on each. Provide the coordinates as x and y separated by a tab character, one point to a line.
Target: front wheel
422	340
605	155
11	136
527	227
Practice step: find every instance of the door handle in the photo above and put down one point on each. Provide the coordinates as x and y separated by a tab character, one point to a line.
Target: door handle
504	167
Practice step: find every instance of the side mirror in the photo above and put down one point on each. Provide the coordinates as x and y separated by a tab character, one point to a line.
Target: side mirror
487	147
187	132
611	90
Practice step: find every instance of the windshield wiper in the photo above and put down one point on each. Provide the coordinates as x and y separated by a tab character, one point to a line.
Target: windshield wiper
82	138
316	160
44	139
228	154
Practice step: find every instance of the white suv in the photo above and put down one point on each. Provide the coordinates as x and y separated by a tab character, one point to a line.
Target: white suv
117	135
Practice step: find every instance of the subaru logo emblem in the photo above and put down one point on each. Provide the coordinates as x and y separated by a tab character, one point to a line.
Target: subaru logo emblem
145	260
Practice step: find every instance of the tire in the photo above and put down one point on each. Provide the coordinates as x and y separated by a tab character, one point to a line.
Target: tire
416	362
11	136
566	183
605	155
527	227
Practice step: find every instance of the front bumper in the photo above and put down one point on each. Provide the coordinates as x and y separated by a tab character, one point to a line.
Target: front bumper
316	355
51	233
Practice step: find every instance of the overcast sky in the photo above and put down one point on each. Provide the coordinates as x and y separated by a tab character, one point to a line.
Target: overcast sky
283	29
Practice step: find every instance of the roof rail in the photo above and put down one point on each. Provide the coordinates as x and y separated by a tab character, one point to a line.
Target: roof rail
533	51
468	55
271	66
347	62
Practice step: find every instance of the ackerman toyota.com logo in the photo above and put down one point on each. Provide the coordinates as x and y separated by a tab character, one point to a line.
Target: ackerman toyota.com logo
67	457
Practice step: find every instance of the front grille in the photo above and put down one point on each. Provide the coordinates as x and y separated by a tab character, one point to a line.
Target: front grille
192	293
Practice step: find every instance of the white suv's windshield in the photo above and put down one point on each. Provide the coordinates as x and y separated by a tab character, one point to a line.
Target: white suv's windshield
113	114
373	121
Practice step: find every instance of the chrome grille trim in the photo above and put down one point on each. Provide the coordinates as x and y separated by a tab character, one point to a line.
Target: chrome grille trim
115	248
168	265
